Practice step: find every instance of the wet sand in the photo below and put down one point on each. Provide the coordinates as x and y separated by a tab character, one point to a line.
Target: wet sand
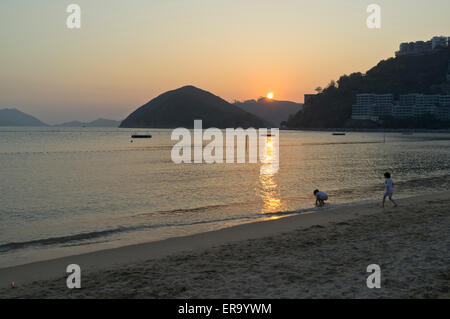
319	255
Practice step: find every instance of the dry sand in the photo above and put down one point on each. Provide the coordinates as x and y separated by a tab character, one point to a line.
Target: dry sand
320	255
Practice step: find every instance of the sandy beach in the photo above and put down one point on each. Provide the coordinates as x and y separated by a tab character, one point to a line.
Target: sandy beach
318	255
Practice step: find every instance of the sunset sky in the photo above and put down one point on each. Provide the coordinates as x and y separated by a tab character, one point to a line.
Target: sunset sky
128	52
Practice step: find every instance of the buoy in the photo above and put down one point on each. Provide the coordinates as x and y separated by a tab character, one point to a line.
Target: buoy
13	285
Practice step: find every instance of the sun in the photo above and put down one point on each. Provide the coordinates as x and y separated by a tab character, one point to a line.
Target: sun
270	95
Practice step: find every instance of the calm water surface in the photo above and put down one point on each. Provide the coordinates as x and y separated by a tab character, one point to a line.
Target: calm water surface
73	190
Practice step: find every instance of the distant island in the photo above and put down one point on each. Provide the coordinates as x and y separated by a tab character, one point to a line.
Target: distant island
272	111
96	123
14	117
419	68
180	107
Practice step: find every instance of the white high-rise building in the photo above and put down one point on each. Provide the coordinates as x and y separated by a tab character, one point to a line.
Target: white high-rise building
444	107
374	106
426	104
405	106
423	47
448	71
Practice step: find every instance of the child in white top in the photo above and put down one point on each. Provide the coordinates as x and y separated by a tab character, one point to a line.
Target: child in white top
388	189
321	197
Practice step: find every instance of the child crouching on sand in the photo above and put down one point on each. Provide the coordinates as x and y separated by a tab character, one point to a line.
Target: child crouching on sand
321	197
388	189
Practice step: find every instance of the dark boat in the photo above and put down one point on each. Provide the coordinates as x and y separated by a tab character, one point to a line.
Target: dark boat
339	134
141	136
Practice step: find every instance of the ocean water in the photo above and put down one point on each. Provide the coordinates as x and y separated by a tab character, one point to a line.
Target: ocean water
75	190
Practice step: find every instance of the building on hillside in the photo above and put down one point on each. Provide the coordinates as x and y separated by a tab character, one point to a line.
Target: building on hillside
426	104
422	47
448	72
375	106
372	106
443	111
439	42
309	98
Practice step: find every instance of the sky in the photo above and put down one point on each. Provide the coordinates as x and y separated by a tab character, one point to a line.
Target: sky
128	52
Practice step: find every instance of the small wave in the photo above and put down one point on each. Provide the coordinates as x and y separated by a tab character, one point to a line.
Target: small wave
197	209
57	240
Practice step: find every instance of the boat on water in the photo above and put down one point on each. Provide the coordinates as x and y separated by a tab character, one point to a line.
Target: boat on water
141	136
339	134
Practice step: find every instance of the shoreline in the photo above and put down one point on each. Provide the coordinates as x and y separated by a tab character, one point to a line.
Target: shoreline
52	272
267	217
25	273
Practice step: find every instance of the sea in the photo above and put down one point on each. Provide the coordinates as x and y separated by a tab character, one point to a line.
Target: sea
66	191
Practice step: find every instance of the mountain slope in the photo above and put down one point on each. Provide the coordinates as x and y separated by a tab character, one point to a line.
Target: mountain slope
272	111
180	107
14	117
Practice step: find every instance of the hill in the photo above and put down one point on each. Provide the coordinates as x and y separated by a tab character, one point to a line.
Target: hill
272	111
180	107
332	107
71	124
14	117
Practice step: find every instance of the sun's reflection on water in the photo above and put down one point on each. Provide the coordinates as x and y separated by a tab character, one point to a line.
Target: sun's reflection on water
268	187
